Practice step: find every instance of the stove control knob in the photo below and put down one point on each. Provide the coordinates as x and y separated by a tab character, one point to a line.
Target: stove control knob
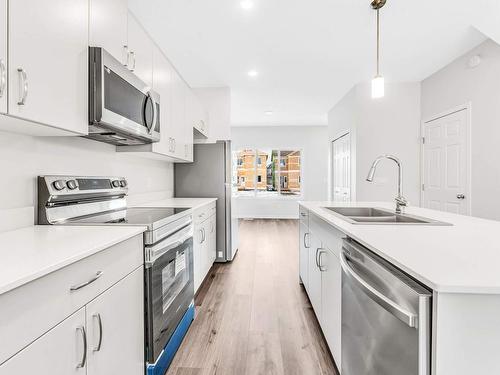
116	183
59	184
71	184
123	183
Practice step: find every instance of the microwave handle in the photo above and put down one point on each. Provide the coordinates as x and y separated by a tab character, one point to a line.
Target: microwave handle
155	113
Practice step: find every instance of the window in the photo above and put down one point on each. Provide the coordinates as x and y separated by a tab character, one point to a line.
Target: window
267	172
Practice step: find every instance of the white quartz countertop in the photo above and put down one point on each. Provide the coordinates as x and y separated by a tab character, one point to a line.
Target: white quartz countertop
193	203
462	258
30	253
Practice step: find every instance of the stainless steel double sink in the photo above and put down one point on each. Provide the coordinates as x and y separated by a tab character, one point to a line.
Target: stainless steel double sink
370	215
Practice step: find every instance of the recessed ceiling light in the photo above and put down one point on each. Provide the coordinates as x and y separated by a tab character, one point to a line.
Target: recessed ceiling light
269	113
253	73
246	4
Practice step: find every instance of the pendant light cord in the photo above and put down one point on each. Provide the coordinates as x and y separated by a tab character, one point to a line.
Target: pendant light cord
378	41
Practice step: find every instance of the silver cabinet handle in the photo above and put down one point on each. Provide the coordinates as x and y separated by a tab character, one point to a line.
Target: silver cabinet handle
132	54
204	235
173	140
99	322
460	196
126	55
321	267
3	77
303	214
305	243
201	235
82	285
82	362
317	263
23	86
390	306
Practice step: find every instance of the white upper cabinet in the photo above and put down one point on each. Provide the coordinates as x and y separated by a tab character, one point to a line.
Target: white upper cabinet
108	27
162	84
48	63
140	49
3	56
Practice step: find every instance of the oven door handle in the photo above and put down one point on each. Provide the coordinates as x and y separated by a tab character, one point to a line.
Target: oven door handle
390	306
155	252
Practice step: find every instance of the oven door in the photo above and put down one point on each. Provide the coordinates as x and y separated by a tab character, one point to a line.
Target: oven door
120	101
169	288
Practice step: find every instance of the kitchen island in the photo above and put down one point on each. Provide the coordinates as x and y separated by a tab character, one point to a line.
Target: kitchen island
458	263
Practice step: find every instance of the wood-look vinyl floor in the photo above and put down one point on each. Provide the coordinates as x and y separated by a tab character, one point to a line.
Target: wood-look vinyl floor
252	316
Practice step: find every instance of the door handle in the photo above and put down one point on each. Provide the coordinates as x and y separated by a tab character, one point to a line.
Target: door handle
23	86
305	243
88	282
82	362
132	55
99	322
460	196
126	55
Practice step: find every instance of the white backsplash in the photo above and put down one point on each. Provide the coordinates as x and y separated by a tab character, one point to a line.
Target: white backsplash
23	158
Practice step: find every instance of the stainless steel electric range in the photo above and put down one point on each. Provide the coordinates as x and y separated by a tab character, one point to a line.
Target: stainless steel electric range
168	251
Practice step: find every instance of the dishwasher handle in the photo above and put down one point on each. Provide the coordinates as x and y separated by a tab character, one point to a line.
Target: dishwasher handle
399	312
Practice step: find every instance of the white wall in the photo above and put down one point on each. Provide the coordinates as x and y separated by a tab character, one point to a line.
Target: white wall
389	125
457	84
309	139
23	158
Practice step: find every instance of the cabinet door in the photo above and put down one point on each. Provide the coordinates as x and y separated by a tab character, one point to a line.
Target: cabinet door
331	297
212	240
198	255
115	323
3	56
162	83
141	51
314	275
108	27
178	114
304	254
60	351
48	63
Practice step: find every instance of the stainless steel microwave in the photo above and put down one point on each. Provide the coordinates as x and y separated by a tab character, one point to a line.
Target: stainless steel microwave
123	110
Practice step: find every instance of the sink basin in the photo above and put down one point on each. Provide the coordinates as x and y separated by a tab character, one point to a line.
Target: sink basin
370	215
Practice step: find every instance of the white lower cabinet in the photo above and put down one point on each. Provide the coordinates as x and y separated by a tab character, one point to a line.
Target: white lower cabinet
86	318
205	243
319	267
115	324
331	297
304	254
314	275
60	351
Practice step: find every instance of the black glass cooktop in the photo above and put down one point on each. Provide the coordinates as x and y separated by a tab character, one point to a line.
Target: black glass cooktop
132	216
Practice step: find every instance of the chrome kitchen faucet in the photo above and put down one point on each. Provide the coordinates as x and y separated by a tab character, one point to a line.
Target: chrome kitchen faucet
401	201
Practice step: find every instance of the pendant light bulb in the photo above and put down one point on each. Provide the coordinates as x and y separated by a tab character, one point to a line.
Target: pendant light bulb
378	87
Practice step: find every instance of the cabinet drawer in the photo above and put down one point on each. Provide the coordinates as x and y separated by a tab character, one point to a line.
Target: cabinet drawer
31	310
330	237
304	215
204	212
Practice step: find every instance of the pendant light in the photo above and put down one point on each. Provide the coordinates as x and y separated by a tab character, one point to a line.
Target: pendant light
378	81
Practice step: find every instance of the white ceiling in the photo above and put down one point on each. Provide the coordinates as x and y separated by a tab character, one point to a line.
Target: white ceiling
309	53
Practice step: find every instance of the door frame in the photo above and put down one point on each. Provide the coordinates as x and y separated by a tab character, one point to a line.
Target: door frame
336	138
468	108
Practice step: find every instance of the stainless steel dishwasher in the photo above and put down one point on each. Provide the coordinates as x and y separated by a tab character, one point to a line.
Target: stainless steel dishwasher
386	317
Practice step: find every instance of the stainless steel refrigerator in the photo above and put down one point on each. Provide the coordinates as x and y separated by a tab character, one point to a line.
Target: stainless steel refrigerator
209	176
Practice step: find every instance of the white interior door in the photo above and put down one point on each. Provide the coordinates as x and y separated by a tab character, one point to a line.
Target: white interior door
341	165
445	164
